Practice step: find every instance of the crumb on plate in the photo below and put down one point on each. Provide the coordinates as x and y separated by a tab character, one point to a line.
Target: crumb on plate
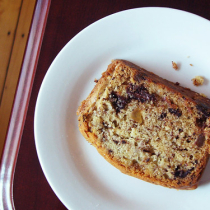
174	65
198	80
202	94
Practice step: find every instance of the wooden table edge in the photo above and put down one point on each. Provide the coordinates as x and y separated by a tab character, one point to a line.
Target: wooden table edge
20	106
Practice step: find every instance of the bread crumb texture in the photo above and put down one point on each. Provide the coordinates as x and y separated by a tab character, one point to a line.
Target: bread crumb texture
198	80
147	127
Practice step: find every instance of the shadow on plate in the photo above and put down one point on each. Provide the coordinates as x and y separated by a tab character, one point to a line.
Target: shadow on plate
206	81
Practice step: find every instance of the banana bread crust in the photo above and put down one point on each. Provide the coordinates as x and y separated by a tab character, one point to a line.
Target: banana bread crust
168	156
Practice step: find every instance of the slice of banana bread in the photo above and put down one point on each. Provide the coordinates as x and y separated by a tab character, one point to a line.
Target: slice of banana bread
148	127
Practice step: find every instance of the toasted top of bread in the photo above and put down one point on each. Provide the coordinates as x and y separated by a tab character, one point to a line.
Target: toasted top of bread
148	127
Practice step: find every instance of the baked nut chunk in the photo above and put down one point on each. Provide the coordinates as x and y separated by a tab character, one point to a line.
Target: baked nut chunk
148	127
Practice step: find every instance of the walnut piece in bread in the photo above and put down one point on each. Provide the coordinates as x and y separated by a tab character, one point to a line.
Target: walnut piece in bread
148	127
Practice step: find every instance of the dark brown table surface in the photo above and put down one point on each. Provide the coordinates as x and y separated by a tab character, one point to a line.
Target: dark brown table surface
66	18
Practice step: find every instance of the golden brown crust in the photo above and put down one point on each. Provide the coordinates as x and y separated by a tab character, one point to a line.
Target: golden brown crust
139	74
94	93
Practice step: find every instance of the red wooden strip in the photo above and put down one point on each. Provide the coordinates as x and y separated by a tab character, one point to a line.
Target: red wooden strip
21	102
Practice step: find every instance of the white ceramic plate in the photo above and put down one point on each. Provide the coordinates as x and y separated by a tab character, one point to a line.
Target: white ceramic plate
151	38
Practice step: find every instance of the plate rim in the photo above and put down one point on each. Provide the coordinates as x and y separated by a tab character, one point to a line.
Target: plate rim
55	60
